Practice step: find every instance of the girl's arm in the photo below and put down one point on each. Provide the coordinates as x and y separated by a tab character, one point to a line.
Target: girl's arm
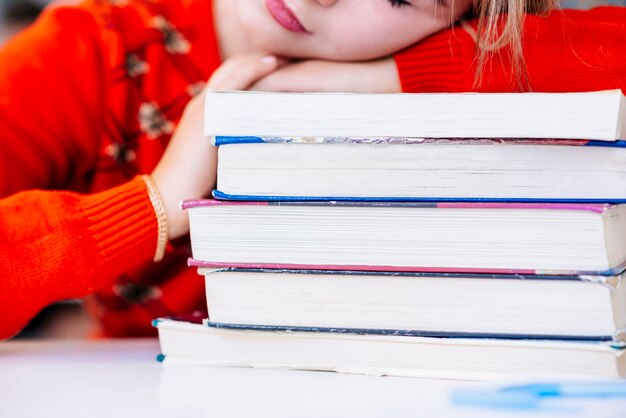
378	76
60	245
57	245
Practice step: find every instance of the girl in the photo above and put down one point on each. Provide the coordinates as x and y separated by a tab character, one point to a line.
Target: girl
94	96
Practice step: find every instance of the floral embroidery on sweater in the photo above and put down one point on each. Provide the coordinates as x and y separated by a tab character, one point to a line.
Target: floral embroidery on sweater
174	41
120	153
153	122
154	75
135	66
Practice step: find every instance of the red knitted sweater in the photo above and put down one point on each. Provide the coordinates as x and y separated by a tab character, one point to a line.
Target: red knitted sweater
89	97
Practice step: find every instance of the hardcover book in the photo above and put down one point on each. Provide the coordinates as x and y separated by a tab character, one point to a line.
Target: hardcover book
386	236
405	169
442	115
448	358
421	304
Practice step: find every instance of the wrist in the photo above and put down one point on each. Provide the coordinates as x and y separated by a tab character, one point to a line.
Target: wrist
161	217
177	221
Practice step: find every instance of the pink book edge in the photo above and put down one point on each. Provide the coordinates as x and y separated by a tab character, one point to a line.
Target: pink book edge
188	204
592	207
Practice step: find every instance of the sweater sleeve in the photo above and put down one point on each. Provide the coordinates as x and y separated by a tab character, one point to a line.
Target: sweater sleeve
60	245
569	50
52	94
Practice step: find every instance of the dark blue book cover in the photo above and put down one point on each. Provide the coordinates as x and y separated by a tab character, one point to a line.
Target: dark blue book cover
478	181
234	140
411	333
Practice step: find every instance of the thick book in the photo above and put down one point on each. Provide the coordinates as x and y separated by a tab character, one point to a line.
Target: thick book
590	115
448	358
405	169
409	236
421	304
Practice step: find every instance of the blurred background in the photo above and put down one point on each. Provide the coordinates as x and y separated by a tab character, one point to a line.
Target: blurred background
67	319
14	14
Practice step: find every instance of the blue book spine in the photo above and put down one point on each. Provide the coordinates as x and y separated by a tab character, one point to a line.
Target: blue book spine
234	140
217	194
410	333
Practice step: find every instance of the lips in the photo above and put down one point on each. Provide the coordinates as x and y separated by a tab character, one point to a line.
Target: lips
284	16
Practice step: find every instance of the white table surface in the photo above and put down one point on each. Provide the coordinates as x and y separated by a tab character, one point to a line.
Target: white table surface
121	378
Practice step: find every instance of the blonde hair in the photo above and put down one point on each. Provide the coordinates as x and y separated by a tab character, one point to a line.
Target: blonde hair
500	25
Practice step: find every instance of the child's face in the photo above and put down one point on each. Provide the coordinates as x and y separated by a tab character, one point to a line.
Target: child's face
344	29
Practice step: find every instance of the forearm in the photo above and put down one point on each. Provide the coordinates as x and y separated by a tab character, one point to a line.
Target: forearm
59	245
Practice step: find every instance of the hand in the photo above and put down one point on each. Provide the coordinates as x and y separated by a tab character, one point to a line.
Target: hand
379	76
187	169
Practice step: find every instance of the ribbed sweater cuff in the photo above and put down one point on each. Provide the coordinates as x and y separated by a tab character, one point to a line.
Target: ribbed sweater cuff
123	225
436	64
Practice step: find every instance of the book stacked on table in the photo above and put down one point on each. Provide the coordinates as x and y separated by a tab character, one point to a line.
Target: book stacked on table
446	235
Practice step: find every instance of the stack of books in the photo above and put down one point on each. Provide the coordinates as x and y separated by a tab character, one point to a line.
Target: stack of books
462	236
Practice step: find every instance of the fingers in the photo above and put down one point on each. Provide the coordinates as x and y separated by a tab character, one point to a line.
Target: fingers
240	72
